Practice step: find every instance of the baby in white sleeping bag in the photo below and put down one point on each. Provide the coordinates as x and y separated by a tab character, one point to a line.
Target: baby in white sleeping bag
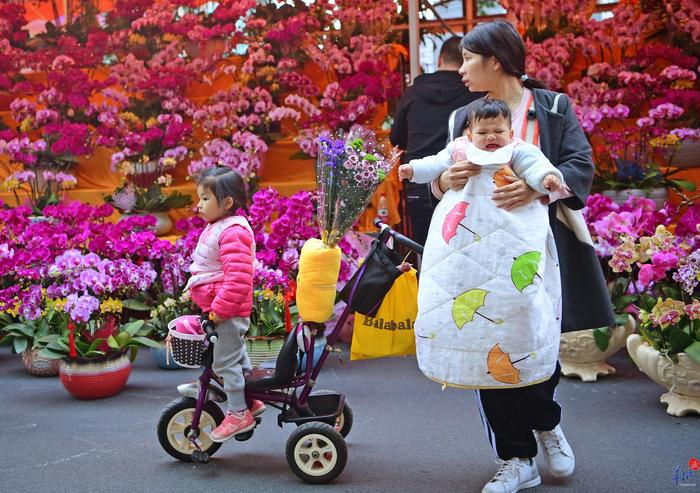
489	298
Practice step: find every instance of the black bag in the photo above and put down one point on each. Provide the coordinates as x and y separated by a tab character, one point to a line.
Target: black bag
376	276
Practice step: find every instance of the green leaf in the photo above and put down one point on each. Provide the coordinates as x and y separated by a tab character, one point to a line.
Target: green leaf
145	341
132	354
602	338
685	185
25	329
132	327
95	344
48	353
136	306
678	339
693	351
300	156
92	354
19	344
112	342
123	339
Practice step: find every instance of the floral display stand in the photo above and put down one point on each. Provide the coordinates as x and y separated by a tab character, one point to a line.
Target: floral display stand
95	378
580	356
682	379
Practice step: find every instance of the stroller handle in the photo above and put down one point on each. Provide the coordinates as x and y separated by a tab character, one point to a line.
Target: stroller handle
209	329
401	239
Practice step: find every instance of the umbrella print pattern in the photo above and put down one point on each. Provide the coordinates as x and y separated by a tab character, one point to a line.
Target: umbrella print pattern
465	306
453	220
499	177
524	269
501	367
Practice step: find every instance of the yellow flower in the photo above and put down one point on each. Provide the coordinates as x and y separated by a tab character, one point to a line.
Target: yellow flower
137	39
169	162
267	294
56	305
10	184
129	117
151	122
26	124
111	305
682	84
667	312
166	180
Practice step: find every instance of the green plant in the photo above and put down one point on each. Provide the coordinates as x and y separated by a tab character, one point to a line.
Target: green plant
82	343
268	316
168	308
670	326
24	334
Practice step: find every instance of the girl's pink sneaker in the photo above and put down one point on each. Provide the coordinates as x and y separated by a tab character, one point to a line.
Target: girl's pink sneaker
257	408
232	425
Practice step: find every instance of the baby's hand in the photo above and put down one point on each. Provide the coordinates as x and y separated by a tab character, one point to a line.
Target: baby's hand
551	183
405	172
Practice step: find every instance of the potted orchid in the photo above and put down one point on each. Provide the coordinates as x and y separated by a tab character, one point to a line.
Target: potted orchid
90	290
583	353
637	114
667	349
151	150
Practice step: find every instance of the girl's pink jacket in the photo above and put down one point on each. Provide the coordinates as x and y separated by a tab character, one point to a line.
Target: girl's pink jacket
222	268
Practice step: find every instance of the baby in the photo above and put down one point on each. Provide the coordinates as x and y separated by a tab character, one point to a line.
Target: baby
490	141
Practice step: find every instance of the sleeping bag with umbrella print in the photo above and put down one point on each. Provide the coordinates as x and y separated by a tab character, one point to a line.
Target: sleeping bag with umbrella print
489	297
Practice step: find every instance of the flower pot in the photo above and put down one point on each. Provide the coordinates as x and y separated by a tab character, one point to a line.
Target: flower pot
682	379
95	378
687	155
658	195
162	360
263	348
39	366
164	224
580	356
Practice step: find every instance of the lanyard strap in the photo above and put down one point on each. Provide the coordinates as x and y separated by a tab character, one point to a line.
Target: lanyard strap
530	130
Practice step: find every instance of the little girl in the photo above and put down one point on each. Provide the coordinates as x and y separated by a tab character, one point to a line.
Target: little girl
222	285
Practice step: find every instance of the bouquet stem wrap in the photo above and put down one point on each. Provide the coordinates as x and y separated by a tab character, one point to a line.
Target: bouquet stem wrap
319	265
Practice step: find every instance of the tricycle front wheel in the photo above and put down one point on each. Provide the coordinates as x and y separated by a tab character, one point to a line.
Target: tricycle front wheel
175	422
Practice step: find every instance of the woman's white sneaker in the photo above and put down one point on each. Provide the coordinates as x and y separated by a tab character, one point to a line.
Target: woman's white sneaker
557	452
513	475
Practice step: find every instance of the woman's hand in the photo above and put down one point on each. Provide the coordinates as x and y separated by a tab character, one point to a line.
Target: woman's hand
517	194
457	175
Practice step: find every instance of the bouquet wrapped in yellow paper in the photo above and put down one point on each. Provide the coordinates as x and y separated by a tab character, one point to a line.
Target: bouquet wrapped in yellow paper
319	265
349	169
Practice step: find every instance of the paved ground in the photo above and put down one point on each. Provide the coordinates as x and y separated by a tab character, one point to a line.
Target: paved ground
409	436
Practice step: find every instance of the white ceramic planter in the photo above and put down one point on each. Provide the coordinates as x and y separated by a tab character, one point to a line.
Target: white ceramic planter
687	155
682	379
580	356
658	195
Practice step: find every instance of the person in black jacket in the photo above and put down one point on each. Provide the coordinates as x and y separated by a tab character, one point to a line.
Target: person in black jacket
419	128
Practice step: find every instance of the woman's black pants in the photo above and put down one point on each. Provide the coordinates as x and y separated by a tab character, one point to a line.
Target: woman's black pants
510	416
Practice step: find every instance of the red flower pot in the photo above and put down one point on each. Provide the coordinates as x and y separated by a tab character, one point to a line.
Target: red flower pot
95	378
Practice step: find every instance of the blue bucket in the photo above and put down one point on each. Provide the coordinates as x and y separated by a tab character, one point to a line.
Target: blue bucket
158	356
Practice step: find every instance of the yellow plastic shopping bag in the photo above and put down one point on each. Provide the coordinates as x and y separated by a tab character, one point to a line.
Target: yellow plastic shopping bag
390	332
